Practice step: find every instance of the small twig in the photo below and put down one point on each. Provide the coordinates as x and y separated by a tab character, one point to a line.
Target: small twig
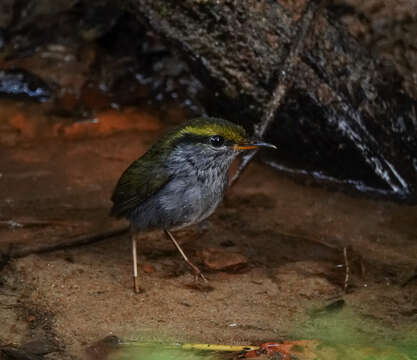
64	244
347	269
284	84
317	240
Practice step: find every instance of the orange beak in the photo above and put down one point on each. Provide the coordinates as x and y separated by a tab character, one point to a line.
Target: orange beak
253	145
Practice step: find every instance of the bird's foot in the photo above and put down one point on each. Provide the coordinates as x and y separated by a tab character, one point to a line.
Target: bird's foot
197	272
136	287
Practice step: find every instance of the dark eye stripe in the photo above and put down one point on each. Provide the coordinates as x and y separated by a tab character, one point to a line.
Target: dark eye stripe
189	139
213	140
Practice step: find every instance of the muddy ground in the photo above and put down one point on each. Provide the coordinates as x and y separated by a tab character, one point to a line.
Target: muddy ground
288	239
285	239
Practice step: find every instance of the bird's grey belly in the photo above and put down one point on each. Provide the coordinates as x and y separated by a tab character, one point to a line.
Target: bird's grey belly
180	203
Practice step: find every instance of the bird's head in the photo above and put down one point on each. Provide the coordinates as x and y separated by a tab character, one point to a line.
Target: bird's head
207	141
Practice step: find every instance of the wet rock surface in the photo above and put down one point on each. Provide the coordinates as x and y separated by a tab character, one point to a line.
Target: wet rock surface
21	84
347	103
338	124
59	189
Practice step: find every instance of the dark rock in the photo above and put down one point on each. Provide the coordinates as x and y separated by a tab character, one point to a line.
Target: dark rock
98	20
6	13
341	115
9	352
2	38
41	347
22	84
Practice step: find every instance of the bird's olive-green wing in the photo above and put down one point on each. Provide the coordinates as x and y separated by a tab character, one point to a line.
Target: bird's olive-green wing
142	179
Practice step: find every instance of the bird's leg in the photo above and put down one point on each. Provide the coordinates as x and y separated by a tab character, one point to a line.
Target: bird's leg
196	270
136	288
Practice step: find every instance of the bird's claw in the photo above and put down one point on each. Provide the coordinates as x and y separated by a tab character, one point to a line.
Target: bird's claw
197	273
200	275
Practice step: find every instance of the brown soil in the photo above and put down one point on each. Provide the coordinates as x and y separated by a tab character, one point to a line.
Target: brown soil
58	186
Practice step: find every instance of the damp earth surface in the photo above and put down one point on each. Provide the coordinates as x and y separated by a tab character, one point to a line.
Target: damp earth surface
285	260
274	251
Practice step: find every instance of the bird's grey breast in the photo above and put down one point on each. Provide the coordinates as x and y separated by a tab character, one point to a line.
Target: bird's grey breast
197	186
212	186
192	197
194	190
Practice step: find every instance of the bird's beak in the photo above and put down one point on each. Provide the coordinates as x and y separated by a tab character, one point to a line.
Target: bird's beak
253	145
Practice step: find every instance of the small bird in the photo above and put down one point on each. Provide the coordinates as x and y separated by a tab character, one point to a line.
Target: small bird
180	180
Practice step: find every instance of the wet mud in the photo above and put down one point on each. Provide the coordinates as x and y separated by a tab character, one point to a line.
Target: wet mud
285	259
288	239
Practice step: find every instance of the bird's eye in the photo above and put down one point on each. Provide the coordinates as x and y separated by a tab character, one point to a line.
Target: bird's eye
216	140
